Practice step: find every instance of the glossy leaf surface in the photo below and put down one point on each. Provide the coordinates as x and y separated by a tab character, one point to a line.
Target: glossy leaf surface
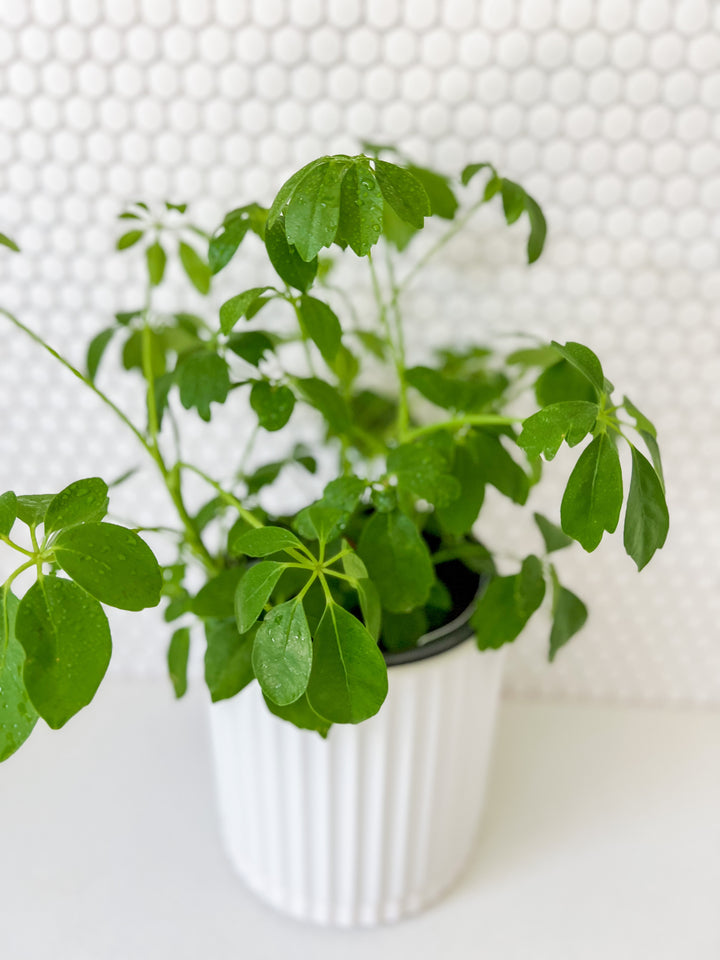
348	680
67	644
111	563
283	653
593	496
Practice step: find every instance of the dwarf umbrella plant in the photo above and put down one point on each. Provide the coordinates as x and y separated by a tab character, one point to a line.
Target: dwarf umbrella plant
308	605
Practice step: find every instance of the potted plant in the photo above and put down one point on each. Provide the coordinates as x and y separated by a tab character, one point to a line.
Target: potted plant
381	579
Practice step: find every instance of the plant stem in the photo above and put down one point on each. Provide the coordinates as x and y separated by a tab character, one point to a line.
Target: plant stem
5	614
224	495
397	351
88	383
438	245
193	537
171	478
472	419
15	546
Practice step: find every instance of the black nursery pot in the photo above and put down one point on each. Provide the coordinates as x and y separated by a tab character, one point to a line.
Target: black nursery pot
465	587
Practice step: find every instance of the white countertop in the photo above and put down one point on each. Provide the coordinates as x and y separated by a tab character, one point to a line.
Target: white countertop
601	839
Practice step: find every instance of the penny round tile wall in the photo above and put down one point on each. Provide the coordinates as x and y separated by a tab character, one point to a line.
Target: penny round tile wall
607	111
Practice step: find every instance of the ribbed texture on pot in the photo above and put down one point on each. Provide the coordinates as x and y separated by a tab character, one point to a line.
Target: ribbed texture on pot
378	820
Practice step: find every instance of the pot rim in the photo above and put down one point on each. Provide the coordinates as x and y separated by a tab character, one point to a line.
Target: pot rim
442	639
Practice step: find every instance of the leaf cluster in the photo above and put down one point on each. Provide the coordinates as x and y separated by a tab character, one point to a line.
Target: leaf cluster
55	642
307	605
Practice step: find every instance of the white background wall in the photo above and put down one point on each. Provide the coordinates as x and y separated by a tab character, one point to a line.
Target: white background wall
608	112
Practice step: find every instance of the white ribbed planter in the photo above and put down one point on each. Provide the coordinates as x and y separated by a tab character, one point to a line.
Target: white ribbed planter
375	822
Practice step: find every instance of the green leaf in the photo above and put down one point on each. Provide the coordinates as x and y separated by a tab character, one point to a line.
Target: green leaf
542	356
647	431
529	587
344	492
202	378
361	209
263	541
272	404
401	631
544	432
250	346
217	597
513	198
313	211
348	680
562	381
32	507
538	229
132	354
352	564
17	716
458	516
423	471
177	660
475	556
321	324
236	307
283	653
67	644
5	241
129	239
398	561
228	237
403	192
328	401
443	202
452	393
474	168
396	231
228	659
370	606
569	616
497	467
373	343
197	270
253	591
301	714
646	517
80	502
641	421
8	512
593	496
96	349
584	360
320	521
111	563
284	194
553	536
497	619
288	263
156	260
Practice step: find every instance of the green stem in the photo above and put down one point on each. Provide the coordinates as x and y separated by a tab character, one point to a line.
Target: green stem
6	616
171	478
193	537
397	351
472	419
457	226
16	546
338	556
88	383
341	576
224	495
